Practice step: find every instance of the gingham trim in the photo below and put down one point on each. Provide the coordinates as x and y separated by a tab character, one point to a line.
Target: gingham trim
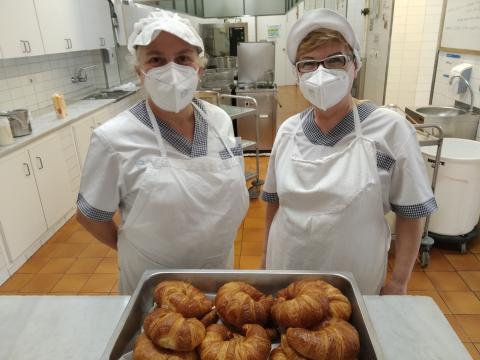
270	197
91	212
236	151
343	128
196	148
384	161
417	210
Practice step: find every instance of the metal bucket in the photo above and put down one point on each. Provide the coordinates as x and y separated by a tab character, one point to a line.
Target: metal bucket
19	122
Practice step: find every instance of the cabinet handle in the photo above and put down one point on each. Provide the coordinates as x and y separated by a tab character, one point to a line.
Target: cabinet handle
29	48
26	169
70	42
24	46
39	161
104	42
67	47
263	116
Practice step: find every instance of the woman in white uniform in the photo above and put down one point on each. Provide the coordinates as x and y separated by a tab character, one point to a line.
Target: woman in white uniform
339	166
170	164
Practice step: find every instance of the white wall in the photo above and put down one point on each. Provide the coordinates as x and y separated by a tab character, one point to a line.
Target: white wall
30	82
416	28
444	94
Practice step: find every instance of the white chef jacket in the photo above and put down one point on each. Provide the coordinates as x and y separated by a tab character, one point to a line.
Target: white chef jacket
406	189
120	149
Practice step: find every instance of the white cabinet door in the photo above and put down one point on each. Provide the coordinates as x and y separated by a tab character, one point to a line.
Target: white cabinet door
21	216
61	25
51	175
99	33
19	31
82	131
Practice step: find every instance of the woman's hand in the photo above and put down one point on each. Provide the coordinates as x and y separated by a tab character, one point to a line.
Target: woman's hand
394	287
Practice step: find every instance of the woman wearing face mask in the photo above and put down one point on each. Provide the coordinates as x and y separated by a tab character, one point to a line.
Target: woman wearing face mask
170	164
339	166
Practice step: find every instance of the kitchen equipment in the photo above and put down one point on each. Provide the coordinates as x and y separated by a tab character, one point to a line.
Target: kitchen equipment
221	40
6	137
209	281
266	97
20	121
256	62
458	188
455	122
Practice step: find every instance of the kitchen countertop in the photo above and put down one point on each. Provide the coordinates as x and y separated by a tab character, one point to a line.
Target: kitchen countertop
79	327
48	123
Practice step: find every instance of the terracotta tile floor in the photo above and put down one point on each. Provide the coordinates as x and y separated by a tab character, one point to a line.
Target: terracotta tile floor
73	262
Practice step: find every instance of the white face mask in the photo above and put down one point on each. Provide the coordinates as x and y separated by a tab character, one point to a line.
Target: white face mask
325	88
171	86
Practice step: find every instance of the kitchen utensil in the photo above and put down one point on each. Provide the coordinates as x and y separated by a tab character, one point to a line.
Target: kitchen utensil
208	281
20	123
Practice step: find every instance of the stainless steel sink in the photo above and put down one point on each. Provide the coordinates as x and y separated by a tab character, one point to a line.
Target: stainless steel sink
102	95
455	122
440	111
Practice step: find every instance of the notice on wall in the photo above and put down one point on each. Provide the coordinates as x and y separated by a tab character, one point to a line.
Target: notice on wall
461	29
273	31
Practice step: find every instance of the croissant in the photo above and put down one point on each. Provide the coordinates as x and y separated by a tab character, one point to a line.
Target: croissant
182	297
239	303
303	303
278	354
221	344
170	330
210	318
339	305
334	339
145	350
287	351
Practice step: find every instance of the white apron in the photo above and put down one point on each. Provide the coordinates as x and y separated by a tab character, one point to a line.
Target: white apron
331	213
186	214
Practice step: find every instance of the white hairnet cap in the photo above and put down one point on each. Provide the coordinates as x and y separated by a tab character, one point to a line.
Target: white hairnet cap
321	18
147	29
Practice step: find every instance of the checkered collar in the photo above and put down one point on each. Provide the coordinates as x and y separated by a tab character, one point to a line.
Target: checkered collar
195	148
346	126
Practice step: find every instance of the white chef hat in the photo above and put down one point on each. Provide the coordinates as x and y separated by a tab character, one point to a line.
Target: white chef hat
321	18
147	29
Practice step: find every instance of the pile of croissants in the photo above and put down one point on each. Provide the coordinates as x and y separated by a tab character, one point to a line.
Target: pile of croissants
311	314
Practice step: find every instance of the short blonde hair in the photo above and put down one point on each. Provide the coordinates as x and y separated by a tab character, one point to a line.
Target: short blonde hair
318	38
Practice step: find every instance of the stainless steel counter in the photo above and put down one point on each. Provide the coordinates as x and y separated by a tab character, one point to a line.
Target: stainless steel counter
78	327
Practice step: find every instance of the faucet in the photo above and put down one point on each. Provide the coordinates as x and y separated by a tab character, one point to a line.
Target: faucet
82	77
468	86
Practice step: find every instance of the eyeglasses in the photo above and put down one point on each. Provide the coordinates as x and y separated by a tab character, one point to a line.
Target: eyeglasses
331	62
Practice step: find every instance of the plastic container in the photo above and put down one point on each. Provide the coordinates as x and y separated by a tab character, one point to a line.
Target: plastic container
6	137
458	186
59	105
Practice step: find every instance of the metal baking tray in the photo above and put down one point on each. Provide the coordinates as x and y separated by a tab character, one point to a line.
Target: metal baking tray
267	281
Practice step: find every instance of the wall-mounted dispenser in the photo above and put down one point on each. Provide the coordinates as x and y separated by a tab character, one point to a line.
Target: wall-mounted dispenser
465	71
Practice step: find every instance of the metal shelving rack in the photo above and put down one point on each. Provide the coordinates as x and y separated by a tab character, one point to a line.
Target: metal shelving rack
237	112
428	139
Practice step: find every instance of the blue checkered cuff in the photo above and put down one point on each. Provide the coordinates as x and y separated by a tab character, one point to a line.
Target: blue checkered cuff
270	197
92	213
417	210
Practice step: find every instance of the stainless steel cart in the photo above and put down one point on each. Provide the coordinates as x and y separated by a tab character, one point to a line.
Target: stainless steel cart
428	135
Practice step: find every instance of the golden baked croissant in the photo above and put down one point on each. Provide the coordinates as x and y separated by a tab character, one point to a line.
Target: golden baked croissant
239	303
182	297
278	354
334	339
339	305
288	351
221	344
170	330
210	318
145	350
303	303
